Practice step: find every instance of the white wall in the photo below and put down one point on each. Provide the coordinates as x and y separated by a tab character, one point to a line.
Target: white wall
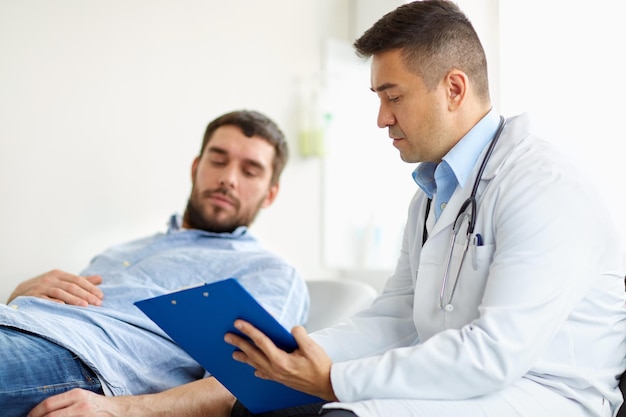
103	105
562	61
102	109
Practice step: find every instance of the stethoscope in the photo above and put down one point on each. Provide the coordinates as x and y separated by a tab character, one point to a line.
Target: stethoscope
468	205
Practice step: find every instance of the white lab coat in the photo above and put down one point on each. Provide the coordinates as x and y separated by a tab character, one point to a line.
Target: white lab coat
539	308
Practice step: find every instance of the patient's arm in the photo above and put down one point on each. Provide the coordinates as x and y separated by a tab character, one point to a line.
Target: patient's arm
205	397
62	287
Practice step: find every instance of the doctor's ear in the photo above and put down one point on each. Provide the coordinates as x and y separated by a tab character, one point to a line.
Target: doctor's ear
457	87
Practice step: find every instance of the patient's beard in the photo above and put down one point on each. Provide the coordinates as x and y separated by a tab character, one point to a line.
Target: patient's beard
195	218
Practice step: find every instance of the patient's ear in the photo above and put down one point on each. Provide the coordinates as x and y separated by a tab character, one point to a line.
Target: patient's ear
272	192
194	168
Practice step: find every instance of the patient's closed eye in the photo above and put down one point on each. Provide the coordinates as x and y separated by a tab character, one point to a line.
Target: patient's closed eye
218	161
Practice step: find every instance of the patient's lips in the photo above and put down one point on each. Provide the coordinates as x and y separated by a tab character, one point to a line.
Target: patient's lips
221	200
221	197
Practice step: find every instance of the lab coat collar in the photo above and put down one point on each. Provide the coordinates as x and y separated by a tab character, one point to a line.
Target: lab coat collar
515	130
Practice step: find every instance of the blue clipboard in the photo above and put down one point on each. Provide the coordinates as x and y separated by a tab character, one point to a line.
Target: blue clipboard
198	318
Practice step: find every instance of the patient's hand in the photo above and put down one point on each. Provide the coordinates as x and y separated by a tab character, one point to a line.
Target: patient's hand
62	287
78	402
204	397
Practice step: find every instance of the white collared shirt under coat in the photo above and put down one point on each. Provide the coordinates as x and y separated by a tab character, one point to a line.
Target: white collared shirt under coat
542	300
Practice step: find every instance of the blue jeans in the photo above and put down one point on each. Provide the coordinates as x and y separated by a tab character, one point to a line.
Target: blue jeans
33	369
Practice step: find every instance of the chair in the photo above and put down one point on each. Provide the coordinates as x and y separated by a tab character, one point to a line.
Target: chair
622	380
622	387
334	300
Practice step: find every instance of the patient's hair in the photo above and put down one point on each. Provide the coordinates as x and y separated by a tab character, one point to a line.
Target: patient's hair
253	123
434	36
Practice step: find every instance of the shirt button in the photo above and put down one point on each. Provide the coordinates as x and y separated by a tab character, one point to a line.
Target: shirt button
443	206
126	263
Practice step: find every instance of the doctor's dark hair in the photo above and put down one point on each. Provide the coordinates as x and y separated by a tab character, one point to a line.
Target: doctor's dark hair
253	123
434	37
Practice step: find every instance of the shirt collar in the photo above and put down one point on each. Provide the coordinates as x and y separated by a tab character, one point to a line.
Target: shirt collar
175	224
462	157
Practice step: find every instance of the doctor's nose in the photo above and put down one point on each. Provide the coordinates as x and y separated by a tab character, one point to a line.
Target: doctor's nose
385	117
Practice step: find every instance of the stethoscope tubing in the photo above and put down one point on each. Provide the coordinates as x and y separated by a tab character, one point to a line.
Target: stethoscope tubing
471	223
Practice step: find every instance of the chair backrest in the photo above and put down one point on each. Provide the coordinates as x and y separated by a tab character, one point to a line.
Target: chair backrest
622	387
622	380
334	300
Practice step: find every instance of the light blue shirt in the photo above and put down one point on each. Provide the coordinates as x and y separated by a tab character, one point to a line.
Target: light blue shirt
439	181
130	354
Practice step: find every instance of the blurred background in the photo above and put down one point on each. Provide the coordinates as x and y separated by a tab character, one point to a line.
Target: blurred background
103	105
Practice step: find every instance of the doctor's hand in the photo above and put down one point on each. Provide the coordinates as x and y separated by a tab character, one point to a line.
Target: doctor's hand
305	369
62	287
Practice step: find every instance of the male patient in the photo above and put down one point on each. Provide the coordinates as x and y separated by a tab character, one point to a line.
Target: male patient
62	331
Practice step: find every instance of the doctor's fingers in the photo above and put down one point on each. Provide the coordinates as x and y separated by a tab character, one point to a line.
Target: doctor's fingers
262	353
308	349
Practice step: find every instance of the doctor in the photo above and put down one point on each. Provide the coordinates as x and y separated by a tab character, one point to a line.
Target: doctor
522	314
